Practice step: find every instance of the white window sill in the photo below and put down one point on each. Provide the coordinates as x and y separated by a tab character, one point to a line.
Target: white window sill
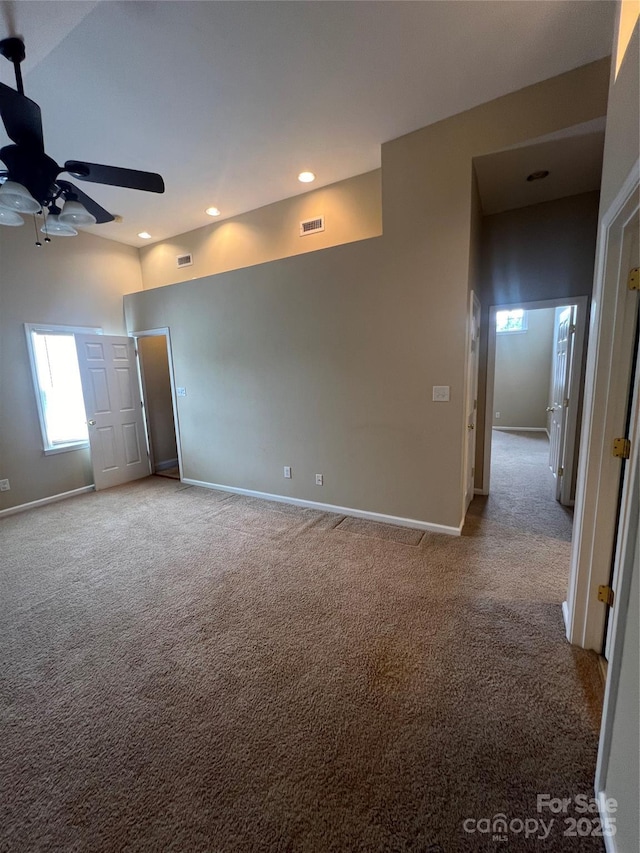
64	448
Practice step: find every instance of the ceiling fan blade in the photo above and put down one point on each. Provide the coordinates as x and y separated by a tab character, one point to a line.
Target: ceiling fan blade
92	206
114	176
21	117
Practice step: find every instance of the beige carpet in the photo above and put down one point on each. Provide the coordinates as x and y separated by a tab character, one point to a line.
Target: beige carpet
185	670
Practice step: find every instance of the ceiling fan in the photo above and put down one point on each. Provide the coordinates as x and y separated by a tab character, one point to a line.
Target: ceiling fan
31	183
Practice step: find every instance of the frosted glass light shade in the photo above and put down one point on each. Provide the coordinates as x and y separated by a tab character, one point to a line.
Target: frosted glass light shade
60	229
10	217
14	196
74	213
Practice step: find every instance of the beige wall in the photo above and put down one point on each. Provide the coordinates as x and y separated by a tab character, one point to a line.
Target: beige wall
352	211
523	373
78	281
325	361
545	251
154	363
620	155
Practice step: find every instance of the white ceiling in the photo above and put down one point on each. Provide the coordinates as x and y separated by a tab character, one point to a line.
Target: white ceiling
230	100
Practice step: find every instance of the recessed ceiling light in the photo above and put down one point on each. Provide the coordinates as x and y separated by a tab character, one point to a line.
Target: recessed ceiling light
144	235
212	211
537	176
306	177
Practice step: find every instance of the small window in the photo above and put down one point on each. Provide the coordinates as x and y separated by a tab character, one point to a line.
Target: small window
56	378
511	321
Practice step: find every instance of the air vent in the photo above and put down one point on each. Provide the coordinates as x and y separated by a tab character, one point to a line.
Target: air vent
312	226
184	260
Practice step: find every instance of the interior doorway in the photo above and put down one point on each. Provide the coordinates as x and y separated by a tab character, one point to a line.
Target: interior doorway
535	383
158	392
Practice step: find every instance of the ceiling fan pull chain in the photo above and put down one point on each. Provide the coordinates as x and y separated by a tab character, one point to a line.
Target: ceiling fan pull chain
35	228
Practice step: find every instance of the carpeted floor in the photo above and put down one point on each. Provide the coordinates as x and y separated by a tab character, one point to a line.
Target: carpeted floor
523	487
186	670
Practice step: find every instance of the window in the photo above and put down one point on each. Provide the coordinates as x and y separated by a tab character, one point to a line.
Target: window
511	321
56	379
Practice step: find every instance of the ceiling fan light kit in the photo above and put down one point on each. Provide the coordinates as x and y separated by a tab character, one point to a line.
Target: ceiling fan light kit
31	180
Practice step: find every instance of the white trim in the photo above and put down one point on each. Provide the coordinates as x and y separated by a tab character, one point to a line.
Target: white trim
521	429
166	464
12	510
626	550
610	843
472	367
605	401
166	332
480	492
341	510
565	615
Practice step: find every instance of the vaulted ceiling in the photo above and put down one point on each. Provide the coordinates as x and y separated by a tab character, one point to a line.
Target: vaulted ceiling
230	100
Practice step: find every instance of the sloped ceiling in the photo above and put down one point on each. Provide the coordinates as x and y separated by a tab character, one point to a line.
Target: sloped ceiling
230	100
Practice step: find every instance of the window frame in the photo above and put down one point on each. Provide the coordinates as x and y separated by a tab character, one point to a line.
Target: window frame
52	329
525	322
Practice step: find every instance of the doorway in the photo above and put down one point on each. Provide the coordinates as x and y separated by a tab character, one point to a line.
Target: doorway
158	392
535	381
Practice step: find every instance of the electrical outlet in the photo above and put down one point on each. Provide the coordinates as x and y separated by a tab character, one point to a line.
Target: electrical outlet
319	479
181	392
497	416
287	472
4	486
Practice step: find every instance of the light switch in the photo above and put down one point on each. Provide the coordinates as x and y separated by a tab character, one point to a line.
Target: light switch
441	393
181	392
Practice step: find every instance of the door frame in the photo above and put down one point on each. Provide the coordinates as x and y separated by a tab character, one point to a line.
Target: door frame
606	395
471	381
582	305
166	333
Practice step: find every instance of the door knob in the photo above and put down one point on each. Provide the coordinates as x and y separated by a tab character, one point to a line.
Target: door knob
550	409
91	423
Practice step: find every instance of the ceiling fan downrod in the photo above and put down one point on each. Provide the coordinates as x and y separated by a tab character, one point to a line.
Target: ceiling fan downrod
13	50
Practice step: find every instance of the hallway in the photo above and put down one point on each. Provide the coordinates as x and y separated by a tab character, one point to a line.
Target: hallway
522	487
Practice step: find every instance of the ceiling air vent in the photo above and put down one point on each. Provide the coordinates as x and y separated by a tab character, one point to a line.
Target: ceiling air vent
312	226
184	260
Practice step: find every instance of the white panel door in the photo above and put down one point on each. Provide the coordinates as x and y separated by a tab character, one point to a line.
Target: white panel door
565	327
117	437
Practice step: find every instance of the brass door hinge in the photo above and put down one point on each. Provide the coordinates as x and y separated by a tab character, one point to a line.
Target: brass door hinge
634	279
605	595
560	471
572	329
621	448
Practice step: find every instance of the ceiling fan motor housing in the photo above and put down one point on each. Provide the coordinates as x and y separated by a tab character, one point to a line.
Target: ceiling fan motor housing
33	169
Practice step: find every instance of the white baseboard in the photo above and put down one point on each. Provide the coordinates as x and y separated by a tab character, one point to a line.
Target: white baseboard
480	492
12	510
610	844
166	464
521	429
342	510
